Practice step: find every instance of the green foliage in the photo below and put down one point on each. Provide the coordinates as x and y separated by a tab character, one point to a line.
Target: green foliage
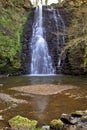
77	39
11	27
46	2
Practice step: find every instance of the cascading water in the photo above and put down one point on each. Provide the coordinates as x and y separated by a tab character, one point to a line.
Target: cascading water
41	62
60	29
56	23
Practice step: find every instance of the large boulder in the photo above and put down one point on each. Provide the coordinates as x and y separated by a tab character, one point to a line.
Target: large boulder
56	124
22	123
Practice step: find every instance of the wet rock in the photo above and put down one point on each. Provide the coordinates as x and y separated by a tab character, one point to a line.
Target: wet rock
77	113
1	85
85	111
46	127
8	98
26	38
51	35
56	124
65	118
68	119
70	127
1	118
81	126
75	121
22	123
84	118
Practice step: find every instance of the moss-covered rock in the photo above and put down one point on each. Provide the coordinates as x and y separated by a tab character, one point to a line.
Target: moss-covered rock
73	57
56	124
13	16
75	52
22	123
76	121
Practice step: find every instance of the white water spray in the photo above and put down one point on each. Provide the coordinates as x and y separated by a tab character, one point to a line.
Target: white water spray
41	62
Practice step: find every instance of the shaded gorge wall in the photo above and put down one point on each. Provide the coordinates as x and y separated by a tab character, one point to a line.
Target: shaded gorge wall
26	38
72	52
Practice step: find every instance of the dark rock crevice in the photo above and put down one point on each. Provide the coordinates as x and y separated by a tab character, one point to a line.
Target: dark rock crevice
26	38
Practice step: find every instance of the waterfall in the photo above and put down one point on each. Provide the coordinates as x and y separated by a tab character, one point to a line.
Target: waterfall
41	62
60	31
56	23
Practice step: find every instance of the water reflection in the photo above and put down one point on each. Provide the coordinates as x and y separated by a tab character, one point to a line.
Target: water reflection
44	79
41	102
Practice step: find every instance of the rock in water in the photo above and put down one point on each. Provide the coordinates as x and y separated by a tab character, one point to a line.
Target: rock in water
1	118
68	119
22	123
77	113
45	127
56	124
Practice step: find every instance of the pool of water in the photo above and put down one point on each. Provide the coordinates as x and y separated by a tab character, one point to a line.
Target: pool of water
56	94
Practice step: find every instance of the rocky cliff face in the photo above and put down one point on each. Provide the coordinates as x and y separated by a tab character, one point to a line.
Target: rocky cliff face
16	20
50	34
26	38
54	35
74	54
73	51
74	58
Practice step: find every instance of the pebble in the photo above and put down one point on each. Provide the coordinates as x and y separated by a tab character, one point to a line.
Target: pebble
46	127
1	85
1	118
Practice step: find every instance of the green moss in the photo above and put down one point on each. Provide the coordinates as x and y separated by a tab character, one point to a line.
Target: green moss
56	124
11	28
22	122
76	46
